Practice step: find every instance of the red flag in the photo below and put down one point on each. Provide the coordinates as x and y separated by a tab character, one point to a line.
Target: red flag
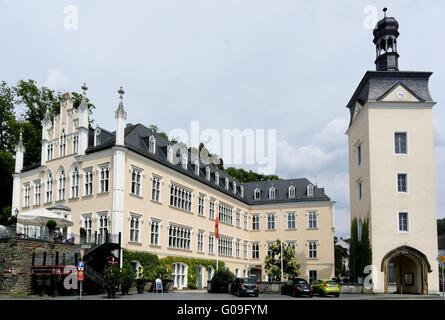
217	227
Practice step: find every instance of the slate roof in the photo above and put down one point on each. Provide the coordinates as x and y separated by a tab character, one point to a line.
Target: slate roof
375	84
137	139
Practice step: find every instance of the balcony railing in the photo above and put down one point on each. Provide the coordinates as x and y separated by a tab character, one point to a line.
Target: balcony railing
43	234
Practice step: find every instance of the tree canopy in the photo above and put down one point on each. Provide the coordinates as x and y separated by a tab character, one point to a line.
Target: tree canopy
273	261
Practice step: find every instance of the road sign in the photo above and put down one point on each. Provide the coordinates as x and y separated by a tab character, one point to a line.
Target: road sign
80	266
80	275
441	259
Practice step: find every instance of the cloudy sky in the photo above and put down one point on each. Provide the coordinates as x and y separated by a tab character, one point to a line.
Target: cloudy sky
285	65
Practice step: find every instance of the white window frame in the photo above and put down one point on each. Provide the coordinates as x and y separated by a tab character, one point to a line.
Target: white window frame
271	221
74	192
155	227
255	222
201	204
152	144
61	185
406	183
156	183
88	182
255	250
136	181
406	143
104	178
37	192
257	194
26	194
291	221
272	193
407	221
312	249
312	217
291	192
49	182
135	227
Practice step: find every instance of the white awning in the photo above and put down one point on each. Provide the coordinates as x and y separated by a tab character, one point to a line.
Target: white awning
39	217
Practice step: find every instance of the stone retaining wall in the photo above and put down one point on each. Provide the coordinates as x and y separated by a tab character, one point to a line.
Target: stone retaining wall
16	260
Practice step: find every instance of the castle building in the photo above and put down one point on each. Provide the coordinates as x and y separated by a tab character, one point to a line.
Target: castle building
163	200
391	166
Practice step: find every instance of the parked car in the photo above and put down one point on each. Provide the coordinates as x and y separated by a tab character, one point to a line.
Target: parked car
297	287
244	287
326	287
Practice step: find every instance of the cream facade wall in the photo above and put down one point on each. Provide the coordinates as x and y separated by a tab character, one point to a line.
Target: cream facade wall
148	210
375	126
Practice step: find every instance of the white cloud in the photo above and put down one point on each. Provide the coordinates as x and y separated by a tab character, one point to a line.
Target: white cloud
57	79
324	162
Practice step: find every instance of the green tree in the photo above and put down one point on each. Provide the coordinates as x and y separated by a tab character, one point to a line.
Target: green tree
249	176
441	226
340	254
273	261
360	250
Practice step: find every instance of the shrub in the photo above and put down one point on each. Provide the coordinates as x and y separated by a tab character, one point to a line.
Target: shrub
112	276
51	225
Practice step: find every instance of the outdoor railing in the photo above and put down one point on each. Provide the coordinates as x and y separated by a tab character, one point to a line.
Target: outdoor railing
42	234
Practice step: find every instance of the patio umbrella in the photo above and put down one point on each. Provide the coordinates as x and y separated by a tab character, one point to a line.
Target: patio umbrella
39	217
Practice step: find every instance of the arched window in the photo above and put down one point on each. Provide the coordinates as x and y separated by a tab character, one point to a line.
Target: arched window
75	182
184	160
226	183
291	192
63	143
272	192
217	178
197	167
49	187
179	273
257	194
207	173
169	154
61	185
310	190
152	144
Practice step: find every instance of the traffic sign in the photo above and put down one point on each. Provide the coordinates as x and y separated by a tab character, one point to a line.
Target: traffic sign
441	259
80	265
80	275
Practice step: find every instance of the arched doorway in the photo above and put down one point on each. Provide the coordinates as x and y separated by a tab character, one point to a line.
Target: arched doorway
406	271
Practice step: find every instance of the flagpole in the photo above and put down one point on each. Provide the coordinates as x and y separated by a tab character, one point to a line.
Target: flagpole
281	246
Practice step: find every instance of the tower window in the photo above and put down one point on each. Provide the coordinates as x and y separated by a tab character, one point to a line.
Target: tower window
403	221
402	184
400	139
358	154
359	187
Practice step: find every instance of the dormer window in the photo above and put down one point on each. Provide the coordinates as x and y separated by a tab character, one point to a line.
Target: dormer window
169	154
152	144
291	192
272	192
226	182
197	167
257	194
184	160
241	191
207	173
97	136
310	190
217	178
234	187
